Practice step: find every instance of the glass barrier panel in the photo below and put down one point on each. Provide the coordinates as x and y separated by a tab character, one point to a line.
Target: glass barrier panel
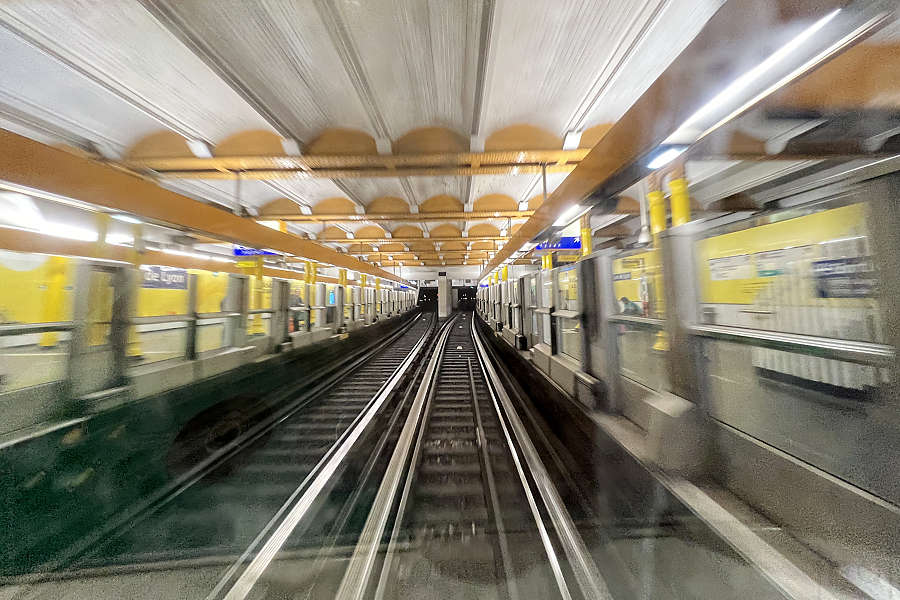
211	334
799	273
829	413
642	357
34	288
158	342
567	289
546	302
163	292
638	284
570	337
297	320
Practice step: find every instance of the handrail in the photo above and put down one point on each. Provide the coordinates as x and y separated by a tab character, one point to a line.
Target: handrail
260	311
218	315
644	322
28	328
864	353
161	319
580	561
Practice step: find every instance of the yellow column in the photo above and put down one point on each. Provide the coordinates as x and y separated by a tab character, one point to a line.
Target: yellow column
100	291
657	209
505	273
657	206
256	322
586	246
133	345
309	275
377	296
54	308
362	279
681	202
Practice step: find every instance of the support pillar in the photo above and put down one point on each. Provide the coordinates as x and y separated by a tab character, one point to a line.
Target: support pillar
443	295
54	309
340	298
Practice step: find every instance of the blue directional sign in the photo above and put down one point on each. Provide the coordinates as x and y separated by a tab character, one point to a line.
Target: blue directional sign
563	243
244	251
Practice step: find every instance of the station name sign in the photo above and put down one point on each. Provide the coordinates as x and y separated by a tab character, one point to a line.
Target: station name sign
164	278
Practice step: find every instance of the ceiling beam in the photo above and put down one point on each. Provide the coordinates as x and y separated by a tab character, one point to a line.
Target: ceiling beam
406	240
417	217
359	165
27	163
686	84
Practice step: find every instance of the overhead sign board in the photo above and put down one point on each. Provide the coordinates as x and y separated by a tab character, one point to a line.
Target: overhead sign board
564	243
244	251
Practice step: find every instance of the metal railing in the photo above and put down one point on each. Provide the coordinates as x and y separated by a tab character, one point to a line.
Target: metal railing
864	353
643	322
31	328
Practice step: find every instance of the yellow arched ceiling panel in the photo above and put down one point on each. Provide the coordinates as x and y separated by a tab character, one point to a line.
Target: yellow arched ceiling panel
359	248
342	141
441	203
254	142
483	229
535	202
391	247
420	246
407	231
494	202
517	137
446	230
387	205
333	233
482	245
453	246
334	206
369	231
592	135
279	206
161	144
430	139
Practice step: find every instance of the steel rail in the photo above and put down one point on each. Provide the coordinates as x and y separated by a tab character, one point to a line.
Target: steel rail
358	575
298	505
139	512
493	498
367	472
580	562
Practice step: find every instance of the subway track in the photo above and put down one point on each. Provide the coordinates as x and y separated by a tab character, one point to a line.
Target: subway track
220	514
469	516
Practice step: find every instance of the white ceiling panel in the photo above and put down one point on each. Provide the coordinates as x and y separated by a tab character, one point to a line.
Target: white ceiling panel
545	56
38	90
366	190
224	192
636	65
309	191
282	51
119	44
424	188
419	59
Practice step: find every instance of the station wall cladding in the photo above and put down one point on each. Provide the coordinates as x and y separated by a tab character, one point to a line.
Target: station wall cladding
32	280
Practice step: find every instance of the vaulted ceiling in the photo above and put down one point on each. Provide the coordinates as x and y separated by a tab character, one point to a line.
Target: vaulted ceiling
422	110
